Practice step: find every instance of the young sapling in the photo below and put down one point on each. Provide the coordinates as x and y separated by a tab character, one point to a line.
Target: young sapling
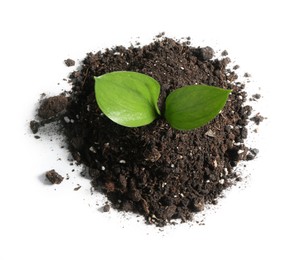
131	99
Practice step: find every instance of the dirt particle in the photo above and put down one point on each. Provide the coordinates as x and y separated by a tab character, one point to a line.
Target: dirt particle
106	208
34	126
54	177
255	97
205	53
51	106
257	119
69	62
224	53
252	154
77	188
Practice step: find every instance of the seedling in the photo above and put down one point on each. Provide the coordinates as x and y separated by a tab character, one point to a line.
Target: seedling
131	99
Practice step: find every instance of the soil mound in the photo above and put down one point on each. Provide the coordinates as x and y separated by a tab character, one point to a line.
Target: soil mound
156	171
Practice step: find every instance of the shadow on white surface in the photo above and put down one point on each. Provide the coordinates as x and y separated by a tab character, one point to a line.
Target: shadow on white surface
44	180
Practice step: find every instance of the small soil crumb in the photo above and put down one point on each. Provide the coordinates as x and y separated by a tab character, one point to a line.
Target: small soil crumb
252	154
51	106
34	126
37	137
207	53
204	54
69	62
236	67
106	208
54	177
247	75
77	188
255	97
224	53
257	119
161	34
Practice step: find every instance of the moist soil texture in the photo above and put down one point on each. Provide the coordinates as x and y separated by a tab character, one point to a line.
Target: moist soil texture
155	170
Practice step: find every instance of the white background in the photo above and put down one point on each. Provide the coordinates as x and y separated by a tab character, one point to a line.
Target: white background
40	221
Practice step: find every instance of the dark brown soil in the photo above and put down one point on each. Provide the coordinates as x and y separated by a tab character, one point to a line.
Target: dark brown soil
156	171
257	119
69	62
51	106
54	177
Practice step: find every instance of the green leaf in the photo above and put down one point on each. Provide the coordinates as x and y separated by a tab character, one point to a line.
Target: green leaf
128	98
190	107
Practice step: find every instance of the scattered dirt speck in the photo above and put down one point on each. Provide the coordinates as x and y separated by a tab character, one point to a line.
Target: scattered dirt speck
54	177
34	126
224	53
257	119
51	106
69	62
106	208
77	188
